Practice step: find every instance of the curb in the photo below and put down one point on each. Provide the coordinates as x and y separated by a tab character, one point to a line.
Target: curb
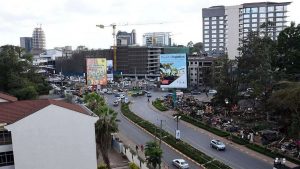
163	142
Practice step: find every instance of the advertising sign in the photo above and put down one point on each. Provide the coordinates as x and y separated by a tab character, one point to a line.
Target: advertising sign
110	75
96	71
173	71
177	134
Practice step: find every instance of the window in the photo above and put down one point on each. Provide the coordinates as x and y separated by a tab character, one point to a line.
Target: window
206	36
213	40
206	27
271	19
206	45
192	80
262	9
221	40
254	24
254	15
279	14
254	29
279	29
214	22
254	20
246	16
221	31
6	158
221	35
277	33
221	44
270	8
214	31
206	23
213	27
221	22
221	26
246	25
206	32
279	24
206	40
221	17
262	20
262	15
206	49
206	19
279	8
214	36
214	18
254	10
214	44
270	14
247	10
246	30
246	20
279	19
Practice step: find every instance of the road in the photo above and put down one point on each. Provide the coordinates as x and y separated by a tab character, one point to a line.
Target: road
232	156
140	137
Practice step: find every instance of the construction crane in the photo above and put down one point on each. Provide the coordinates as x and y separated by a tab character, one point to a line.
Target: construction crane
113	25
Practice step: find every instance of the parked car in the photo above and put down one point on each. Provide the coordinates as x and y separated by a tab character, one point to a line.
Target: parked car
117	95
217	144
212	92
180	163
109	92
116	103
149	94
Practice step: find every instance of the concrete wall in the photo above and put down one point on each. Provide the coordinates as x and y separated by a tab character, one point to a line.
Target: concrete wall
54	138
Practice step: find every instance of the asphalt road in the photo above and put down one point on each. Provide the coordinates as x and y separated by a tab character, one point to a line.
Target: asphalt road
140	137
232	156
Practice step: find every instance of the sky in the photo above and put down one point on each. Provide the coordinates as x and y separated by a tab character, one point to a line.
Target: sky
72	22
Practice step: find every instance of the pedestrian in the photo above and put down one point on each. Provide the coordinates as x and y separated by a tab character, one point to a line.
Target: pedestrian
142	147
148	100
137	148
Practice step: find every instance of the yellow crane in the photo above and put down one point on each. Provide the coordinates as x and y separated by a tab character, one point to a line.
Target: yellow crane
113	25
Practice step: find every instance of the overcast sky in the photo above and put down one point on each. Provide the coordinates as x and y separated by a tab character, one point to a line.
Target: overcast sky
72	22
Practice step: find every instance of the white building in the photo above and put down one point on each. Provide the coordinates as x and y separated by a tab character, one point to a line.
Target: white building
47	134
157	39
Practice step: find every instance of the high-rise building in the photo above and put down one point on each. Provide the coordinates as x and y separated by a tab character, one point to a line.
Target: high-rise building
125	38
26	42
38	41
224	27
157	39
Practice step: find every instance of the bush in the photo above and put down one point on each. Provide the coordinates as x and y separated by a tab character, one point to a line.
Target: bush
216	165
158	105
239	140
133	166
181	146
102	166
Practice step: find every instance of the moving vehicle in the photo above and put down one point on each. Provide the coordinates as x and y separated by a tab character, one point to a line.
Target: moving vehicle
180	163
148	94
116	103
217	144
212	92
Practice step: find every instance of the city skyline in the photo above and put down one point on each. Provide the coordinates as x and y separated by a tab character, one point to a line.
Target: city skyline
72	23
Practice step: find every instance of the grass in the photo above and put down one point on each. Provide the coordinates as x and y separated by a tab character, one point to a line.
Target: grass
158	105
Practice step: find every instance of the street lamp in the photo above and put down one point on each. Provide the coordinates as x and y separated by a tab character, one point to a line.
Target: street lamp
177	132
226	102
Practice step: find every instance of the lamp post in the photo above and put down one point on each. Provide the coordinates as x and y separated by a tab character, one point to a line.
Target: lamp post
226	102
177	131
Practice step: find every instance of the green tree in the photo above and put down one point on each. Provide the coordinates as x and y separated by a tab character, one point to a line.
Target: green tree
195	48
289	52
105	126
17	74
153	154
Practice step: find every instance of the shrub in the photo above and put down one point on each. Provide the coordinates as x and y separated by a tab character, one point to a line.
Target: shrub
239	140
102	166
158	105
133	166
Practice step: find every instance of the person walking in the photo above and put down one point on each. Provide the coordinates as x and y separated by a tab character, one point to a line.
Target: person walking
142	147
137	148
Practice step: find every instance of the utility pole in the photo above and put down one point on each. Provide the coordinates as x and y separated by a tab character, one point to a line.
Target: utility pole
160	133
177	132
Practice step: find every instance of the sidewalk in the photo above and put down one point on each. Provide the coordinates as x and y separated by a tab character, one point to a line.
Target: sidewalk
241	148
116	160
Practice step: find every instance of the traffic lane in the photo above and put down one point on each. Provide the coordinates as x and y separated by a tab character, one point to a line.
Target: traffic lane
233	156
139	136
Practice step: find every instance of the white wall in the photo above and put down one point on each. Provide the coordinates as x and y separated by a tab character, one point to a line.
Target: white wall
232	44
54	138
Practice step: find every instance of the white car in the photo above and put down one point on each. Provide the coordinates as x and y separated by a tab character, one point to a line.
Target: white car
119	99
217	144
212	92
122	96
180	163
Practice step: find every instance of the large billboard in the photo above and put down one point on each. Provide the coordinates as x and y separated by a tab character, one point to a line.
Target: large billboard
110	75
173	72
96	71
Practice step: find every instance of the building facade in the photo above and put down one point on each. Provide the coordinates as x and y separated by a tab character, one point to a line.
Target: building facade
38	41
46	134
157	39
26	42
125	38
224	27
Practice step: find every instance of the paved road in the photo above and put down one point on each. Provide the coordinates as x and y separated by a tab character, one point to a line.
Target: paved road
232	156
140	137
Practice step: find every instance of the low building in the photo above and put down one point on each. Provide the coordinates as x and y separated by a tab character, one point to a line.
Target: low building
46	134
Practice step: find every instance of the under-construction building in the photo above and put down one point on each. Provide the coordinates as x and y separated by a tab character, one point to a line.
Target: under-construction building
38	41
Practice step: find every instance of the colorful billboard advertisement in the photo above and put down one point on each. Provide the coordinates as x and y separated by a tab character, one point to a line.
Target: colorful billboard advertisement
173	71
96	71
110	75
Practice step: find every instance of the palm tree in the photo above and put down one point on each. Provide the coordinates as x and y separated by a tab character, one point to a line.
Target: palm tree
153	154
105	126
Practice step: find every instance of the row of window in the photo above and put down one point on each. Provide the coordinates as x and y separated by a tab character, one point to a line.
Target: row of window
263	15
5	137
213	22
264	20
262	34
214	27
213	40
213	44
6	158
264	9
214	31
254	25
214	36
213	48
214	18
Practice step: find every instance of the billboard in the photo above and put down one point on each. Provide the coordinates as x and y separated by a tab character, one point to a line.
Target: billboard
96	71
110	75
173	71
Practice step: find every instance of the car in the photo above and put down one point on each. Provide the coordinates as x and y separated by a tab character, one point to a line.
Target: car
122	96
217	144
109	92
195	92
116	103
149	94
212	92
117	94
180	163
119	99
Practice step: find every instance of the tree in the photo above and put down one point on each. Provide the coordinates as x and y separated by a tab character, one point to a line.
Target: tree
17	74
153	154
105	126
195	48
289	51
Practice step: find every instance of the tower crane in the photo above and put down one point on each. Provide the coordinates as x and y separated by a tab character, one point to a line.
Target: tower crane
113	25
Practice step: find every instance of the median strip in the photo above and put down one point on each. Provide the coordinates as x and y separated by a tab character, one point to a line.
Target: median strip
181	146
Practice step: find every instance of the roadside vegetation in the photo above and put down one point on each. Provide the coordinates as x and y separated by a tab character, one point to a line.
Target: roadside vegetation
158	104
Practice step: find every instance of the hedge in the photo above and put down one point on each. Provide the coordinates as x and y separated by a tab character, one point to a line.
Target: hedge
183	147
158	104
